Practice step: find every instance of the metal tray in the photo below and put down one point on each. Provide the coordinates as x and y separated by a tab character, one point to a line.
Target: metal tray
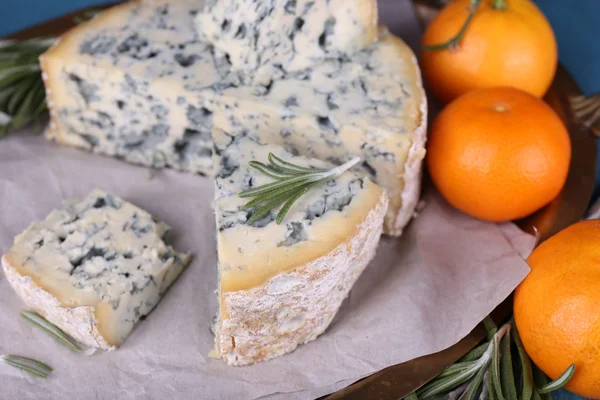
397	381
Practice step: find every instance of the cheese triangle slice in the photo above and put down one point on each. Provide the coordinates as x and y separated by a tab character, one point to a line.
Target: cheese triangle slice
280	285
94	268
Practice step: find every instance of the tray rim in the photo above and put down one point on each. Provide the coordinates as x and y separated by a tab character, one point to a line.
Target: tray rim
567	208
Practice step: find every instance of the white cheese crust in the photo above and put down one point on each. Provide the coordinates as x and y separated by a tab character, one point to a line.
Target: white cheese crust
294	308
265	39
163	91
280	285
94	268
79	322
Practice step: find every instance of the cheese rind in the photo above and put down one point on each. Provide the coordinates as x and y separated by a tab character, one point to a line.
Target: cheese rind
94	268
265	39
280	285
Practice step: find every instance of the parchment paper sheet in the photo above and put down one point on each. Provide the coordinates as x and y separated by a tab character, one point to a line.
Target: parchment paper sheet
421	294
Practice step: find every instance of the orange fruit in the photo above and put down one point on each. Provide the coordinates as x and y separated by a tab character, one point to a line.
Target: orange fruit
498	154
514	46
557	306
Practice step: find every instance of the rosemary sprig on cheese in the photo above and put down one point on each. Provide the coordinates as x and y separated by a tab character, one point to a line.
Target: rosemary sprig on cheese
34	367
53	331
291	182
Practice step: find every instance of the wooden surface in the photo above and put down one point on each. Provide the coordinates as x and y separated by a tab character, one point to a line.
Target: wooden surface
400	380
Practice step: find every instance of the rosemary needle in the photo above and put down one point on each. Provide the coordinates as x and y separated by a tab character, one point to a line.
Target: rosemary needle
52	330
291	182
34	367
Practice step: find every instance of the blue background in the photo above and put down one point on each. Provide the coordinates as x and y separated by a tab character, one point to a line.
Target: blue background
576	24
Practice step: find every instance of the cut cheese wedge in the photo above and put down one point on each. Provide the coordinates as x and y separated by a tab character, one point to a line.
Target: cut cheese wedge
280	285
94	268
266	39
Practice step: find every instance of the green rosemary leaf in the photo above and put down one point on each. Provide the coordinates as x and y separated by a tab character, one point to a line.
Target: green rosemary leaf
291	182
412	396
286	207
283	188
272	187
34	367
30	370
25	47
20	73
456	367
491	392
473	388
541	380
289	167
5	96
21	92
52	330
39	364
13	74
507	378
527	374
490	326
268	170
268	206
446	384
475	353
40	100
485	388
439	386
24	114
559	382
495	369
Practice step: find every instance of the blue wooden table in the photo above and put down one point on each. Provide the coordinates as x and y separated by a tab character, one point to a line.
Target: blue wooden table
575	23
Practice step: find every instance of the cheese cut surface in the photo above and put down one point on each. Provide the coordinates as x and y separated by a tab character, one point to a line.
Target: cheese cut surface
94	268
132	82
136	83
280	285
371	105
265	39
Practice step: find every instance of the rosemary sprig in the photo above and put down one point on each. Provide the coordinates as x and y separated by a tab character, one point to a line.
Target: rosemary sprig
488	369
559	382
34	367
22	93
53	331
291	182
